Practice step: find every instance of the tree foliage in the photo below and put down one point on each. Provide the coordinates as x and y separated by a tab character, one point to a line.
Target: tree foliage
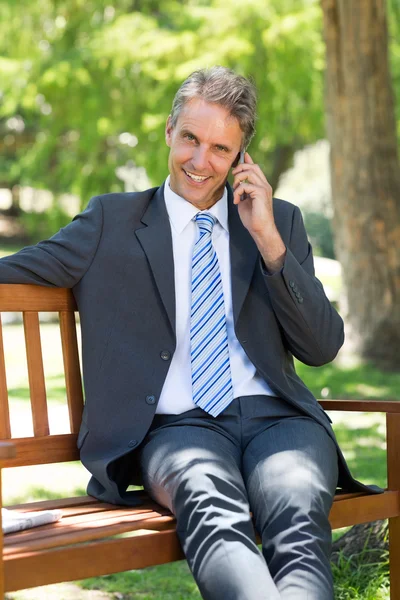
87	85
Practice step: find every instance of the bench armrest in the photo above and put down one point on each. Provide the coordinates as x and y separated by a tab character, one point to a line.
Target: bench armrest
7	450
391	406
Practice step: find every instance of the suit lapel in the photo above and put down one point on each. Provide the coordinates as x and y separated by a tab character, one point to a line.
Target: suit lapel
156	241
243	253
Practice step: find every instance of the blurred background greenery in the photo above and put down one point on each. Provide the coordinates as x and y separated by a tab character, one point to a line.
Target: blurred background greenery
86	86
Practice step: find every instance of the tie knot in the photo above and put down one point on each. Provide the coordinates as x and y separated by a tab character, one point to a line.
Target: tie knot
205	221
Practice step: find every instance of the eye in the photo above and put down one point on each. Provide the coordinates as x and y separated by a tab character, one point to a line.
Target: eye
189	136
221	148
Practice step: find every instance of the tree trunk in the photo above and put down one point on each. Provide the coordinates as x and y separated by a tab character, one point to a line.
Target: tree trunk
282	160
365	172
365	543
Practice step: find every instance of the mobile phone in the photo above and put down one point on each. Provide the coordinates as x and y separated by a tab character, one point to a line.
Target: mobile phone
238	159
241	161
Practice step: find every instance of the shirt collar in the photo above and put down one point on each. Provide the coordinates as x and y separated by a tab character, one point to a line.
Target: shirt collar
181	212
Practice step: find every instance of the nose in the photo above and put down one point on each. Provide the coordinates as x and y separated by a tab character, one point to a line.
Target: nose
200	159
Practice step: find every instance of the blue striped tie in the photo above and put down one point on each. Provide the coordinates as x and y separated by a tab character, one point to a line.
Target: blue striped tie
211	371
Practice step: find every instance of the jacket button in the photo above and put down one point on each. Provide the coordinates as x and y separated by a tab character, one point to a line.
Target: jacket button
292	283
165	355
133	443
300	300
150	399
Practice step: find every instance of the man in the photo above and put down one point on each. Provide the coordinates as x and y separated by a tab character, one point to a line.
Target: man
193	299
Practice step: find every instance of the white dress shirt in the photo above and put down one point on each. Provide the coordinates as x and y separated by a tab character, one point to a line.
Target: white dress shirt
176	395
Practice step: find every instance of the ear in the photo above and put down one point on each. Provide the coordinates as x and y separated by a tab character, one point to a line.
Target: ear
168	132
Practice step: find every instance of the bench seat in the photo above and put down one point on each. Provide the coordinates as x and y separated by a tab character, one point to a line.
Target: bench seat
95	538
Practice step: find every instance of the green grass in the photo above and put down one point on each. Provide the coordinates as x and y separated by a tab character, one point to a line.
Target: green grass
364	449
358	579
22	393
354	579
361	381
165	582
35	493
6	250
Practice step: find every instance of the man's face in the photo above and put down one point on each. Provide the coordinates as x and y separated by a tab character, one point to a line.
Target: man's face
204	143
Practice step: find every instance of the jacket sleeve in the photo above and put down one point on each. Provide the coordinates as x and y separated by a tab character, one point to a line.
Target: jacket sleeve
312	328
62	260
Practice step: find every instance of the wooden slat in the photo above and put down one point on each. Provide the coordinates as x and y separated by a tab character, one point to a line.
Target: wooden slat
347	496
59	536
37	384
2	590
73	381
19	298
87	509
393	468
365	509
92	525
394	553
75	511
83	508
7	450
44	450
105	556
58	503
71	525
140	495
5	429
393	450
384	406
88	504
111	556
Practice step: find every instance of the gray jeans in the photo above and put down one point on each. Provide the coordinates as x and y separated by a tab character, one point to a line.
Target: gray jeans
259	455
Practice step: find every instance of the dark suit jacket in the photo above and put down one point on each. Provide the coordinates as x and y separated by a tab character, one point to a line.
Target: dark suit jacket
117	257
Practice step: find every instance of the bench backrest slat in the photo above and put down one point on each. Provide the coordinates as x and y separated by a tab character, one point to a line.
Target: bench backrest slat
73	382
43	447
5	429
20	298
37	384
44	450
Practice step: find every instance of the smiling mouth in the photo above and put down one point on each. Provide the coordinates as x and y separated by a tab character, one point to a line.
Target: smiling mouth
195	178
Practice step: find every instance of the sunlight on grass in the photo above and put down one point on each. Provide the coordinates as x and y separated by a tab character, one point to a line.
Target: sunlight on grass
364	447
165	582
359	382
370	391
44	482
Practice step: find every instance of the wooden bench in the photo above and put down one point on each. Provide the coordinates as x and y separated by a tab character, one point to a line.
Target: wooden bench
87	541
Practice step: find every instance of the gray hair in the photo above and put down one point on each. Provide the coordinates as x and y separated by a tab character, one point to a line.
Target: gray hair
224	87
